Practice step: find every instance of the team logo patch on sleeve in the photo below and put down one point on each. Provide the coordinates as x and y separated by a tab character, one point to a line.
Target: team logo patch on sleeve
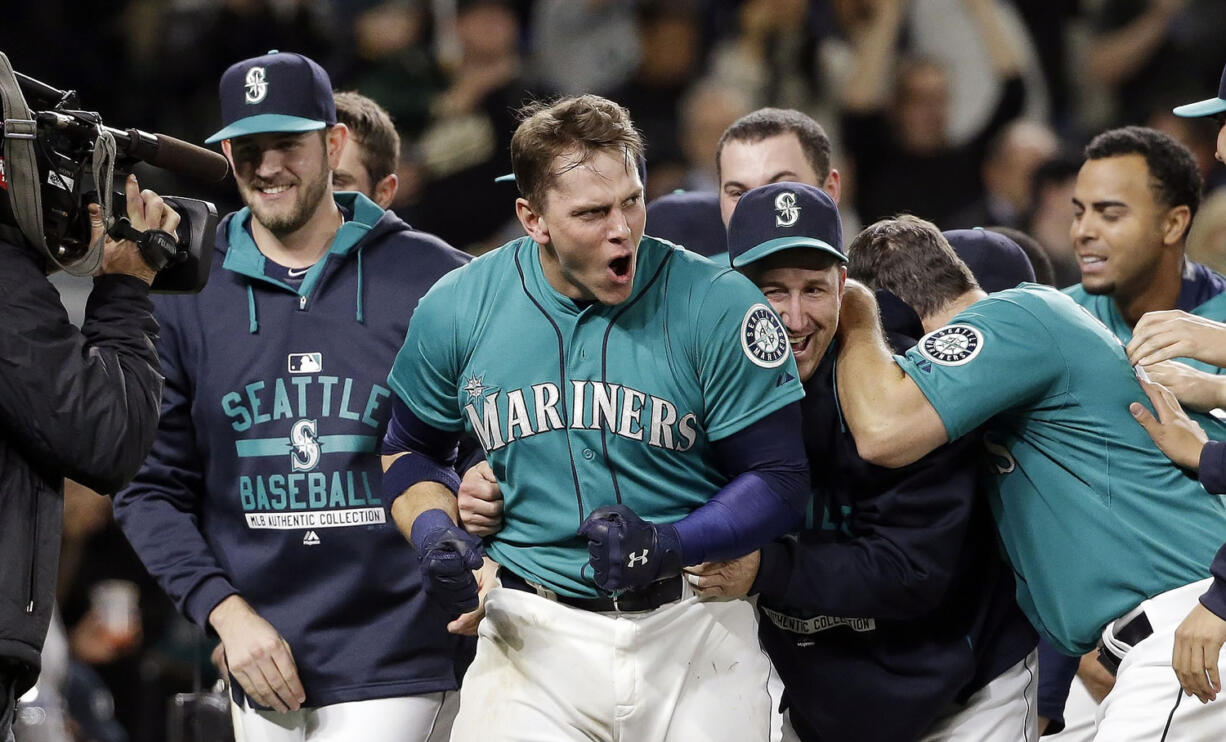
952	345
763	337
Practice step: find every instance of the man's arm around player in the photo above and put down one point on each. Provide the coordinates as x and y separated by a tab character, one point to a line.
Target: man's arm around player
1199	639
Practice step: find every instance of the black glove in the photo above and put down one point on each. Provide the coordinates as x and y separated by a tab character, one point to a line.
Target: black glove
448	556
626	552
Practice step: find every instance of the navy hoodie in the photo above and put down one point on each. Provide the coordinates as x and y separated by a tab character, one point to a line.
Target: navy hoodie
893	604
265	479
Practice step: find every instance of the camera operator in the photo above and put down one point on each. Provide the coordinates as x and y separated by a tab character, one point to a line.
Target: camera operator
79	404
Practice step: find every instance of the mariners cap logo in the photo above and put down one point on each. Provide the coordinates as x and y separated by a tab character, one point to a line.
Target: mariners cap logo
786	210
255	85
952	345
763	337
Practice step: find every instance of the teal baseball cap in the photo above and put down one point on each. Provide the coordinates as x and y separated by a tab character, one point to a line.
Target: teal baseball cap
781	216
277	92
1207	107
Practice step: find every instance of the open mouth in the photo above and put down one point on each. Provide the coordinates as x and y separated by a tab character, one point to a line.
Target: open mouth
620	268
1091	263
799	345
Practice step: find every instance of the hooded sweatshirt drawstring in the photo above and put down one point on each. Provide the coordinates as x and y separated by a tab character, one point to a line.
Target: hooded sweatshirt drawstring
361	315
252	325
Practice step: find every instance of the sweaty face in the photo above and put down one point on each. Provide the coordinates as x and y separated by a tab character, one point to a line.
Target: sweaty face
593	219
282	177
1116	229
746	165
351	174
805	288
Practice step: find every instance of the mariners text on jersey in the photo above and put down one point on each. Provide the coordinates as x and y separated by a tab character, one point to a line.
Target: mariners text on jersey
620	410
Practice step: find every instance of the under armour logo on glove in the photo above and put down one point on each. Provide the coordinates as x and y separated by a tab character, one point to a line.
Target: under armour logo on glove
617	537
448	556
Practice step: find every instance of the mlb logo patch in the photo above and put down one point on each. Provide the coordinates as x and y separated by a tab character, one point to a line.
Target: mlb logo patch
306	363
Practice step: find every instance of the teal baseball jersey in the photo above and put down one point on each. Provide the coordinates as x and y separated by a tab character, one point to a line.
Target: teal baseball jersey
1093	517
1103	308
583	405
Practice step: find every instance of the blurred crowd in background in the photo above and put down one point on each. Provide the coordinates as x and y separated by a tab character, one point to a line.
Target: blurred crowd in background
966	112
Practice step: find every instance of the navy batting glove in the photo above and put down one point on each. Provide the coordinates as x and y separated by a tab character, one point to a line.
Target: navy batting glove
626	552
448	555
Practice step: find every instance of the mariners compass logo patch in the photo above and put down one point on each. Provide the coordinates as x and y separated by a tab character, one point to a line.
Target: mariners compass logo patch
763	337
255	85
952	345
786	210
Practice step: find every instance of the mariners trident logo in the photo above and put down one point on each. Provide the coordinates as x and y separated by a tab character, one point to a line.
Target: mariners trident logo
256	86
786	210
304	446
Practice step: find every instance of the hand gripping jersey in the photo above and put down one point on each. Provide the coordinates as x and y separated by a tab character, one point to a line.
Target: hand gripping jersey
583	405
1201	294
1093	516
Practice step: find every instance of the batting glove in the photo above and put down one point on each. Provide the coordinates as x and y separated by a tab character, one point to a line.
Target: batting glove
448	555
626	552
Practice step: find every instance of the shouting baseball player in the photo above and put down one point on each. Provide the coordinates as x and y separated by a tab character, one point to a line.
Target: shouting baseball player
639	408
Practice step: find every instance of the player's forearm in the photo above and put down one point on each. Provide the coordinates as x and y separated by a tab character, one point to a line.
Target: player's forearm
420	498
872	395
765	498
1215	598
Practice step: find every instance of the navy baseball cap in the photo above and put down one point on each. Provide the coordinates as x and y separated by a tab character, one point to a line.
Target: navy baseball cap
998	262
277	92
689	218
781	216
1206	107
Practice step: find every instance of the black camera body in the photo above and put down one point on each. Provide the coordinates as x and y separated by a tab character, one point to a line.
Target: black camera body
64	139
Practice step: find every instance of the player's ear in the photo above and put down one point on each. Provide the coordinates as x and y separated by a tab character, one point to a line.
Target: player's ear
228	151
1175	224
335	138
532	221
385	190
833	185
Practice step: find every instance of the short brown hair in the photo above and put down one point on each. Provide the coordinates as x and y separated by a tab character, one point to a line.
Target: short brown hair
371	126
910	258
765	123
588	123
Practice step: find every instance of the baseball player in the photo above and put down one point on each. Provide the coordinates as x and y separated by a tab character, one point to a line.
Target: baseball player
1134	200
369	160
260	511
638	406
1105	535
895	595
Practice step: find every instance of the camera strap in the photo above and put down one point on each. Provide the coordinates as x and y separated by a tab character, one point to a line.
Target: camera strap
20	165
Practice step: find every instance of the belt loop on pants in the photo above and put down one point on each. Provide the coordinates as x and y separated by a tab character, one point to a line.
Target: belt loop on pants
1120	636
631	601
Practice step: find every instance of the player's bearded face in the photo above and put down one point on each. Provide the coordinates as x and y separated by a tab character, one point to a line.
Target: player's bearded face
594	218
1117	226
805	289
281	177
